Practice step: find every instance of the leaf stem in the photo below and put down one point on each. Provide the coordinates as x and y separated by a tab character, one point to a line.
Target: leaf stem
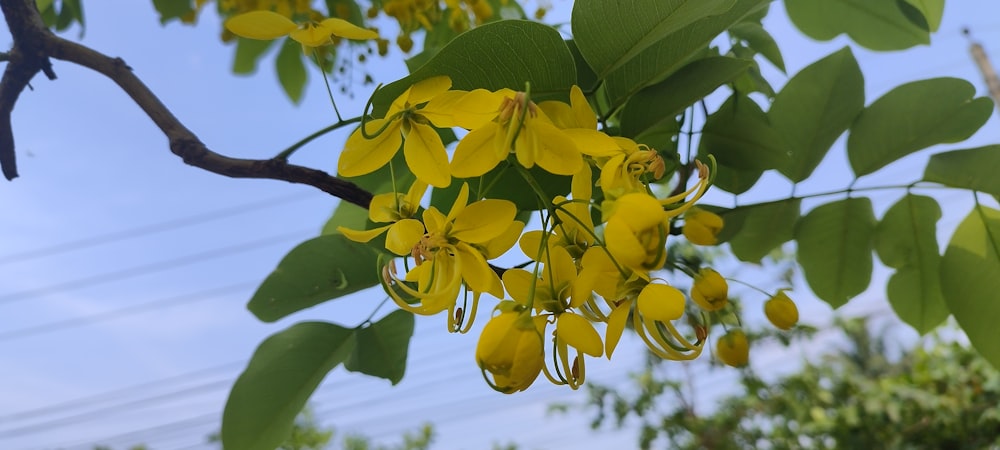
286	153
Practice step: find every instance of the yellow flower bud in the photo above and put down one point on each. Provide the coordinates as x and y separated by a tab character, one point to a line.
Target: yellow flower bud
702	227
510	349
710	290
733	349
781	311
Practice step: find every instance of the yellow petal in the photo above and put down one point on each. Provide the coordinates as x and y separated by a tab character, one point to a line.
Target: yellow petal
428	88
661	302
562	266
610	171
441	109
500	244
434	221
263	25
582	185
477	108
583	115
483	220
426	156
641	211
362	235
403	235
517	282
362	156
345	29
460	202
477	272
416	193
579	333
616	325
383	208
531	242
475	154
556	152
592	142
623	244
559	113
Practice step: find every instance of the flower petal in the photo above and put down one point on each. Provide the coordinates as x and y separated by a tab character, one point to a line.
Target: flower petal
477	272
483	220
583	115
263	25
622	243
345	29
426	156
661	302
555	152
500	244
362	235
579	333
517	282
440	110
459	204
312	36
616	325
403	235
475	153
362	156
428	88
478	107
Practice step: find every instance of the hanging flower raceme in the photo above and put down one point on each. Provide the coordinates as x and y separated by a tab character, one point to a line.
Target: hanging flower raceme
517	126
268	25
409	122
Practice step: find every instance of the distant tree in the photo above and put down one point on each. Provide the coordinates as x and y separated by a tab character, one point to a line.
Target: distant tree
939	395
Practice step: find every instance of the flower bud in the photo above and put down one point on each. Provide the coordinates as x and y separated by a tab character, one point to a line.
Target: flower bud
781	311
510	349
702	227
710	290
733	348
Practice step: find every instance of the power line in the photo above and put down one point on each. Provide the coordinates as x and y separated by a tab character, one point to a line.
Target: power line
206	294
158	266
159	227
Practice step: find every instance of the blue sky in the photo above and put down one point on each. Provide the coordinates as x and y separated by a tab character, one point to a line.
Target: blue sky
92	165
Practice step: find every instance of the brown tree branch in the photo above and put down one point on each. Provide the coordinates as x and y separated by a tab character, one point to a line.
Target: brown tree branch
34	44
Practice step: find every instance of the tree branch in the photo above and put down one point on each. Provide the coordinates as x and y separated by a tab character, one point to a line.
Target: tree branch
34	44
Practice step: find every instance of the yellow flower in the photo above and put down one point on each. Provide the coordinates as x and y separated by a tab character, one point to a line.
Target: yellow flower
733	349
702	227
781	311
267	25
710	290
518	126
656	303
410	116
573	330
453	250
553	290
399	209
510	349
636	233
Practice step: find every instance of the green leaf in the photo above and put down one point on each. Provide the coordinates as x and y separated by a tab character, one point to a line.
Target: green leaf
740	137
969	279
762	227
735	181
284	371
649	22
173	9
931	10
380	348
641	42
291	71
585	76
315	271
503	54
974	168
757	38
815	107
906	239
912	117
505	183
347	215
248	53
875	24
835	248
662	102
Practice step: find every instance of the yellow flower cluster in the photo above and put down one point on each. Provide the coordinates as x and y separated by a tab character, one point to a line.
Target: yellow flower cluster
583	276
